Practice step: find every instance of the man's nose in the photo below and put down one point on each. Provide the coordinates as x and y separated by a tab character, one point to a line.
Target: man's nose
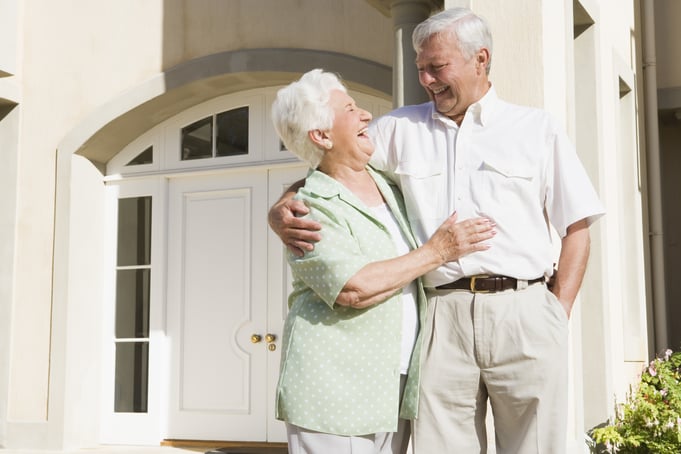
426	78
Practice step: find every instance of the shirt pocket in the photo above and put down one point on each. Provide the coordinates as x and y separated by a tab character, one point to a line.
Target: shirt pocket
500	186
423	186
507	170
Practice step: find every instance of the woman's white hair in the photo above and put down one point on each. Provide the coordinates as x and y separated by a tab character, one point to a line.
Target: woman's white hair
303	106
471	31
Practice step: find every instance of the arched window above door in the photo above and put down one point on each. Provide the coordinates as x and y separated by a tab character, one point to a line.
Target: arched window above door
222	134
228	131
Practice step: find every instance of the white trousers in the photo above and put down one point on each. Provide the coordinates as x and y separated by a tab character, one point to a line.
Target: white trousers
509	348
303	441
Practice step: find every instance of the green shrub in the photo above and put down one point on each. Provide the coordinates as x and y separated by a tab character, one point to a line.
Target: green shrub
649	421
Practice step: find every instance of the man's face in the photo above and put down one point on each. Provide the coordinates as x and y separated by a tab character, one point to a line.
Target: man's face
452	82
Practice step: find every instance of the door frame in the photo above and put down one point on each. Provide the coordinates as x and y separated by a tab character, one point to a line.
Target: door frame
153	179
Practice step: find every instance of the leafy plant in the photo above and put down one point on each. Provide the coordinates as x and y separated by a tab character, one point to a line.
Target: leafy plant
649	421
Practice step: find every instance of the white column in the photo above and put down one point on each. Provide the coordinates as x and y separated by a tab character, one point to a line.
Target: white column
407	14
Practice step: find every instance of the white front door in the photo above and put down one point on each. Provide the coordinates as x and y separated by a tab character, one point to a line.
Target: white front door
225	294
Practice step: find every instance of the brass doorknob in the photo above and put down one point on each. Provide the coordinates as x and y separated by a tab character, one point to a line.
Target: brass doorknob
271	347
255	338
269	338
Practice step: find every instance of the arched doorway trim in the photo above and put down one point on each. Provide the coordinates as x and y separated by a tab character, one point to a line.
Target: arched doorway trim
108	129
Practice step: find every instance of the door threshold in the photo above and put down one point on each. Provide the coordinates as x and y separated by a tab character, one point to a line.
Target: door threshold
228	447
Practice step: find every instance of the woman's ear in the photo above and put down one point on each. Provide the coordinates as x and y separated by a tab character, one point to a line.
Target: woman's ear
321	139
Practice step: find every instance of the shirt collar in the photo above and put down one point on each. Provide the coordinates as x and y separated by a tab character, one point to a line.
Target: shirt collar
324	186
486	106
321	184
481	110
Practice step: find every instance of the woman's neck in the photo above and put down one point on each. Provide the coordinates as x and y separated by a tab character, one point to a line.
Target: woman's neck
358	181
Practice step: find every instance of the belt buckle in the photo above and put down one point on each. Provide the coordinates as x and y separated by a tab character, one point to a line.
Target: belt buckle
473	279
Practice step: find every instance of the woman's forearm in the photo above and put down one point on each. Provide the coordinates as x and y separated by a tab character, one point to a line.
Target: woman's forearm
379	280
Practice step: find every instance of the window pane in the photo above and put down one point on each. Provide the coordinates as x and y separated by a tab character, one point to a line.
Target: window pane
197	140
132	366
132	303
232	135
134	231
146	157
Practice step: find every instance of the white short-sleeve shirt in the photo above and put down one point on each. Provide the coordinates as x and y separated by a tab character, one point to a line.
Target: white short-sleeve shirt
509	163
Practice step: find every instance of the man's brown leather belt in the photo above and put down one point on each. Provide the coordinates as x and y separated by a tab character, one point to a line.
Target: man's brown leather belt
486	284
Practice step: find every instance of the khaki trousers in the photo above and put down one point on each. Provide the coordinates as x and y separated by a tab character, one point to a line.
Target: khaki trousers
509	347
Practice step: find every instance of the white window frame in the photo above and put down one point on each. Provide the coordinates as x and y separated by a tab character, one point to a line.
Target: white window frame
136	428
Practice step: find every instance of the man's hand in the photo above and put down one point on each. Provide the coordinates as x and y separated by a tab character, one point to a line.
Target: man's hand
297	233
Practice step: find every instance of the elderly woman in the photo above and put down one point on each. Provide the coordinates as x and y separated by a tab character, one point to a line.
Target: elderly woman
350	356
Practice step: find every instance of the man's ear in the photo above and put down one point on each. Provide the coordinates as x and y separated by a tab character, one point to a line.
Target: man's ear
482	58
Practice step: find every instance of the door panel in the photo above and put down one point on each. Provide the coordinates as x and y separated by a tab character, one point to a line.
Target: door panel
278	288
216	300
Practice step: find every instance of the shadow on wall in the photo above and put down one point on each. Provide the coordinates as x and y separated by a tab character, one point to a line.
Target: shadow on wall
670	156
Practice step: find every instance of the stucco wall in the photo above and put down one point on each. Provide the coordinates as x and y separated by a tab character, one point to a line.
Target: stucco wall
78	55
9	12
193	29
9	125
75	56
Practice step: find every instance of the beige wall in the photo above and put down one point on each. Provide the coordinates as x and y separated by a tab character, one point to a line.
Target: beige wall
9	125
9	143
9	13
67	71
196	28
74	58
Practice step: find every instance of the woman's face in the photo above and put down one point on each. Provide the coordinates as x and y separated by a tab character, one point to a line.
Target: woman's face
349	132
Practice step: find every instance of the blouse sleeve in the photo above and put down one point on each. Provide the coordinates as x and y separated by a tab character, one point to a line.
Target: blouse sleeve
335	258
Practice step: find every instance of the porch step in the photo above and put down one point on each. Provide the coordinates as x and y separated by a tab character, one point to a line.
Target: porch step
228	447
249	450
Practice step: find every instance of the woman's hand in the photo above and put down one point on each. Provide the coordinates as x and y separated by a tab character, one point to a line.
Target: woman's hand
453	240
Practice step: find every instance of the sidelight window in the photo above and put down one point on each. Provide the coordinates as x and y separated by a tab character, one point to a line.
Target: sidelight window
133	278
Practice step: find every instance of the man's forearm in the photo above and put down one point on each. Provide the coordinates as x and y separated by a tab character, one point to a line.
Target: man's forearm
574	256
285	219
